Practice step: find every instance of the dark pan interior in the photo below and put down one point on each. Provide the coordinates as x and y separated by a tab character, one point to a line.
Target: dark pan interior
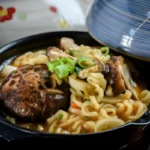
11	50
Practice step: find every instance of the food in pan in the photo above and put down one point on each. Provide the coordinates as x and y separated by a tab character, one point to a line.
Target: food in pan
72	89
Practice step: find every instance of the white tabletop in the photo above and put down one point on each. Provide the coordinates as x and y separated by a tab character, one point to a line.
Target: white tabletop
20	18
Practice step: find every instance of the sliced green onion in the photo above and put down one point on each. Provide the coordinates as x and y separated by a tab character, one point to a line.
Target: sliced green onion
60	116
62	67
77	70
105	50
69	64
76	53
85	62
62	71
53	65
67	61
70	68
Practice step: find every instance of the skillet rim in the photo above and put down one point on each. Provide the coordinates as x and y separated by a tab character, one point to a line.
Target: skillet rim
32	132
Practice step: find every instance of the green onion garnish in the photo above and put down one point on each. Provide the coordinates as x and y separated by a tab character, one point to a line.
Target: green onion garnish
67	61
85	62
69	64
61	71
60	116
105	50
53	65
77	70
62	67
76	53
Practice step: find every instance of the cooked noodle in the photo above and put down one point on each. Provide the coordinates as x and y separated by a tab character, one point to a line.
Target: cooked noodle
97	108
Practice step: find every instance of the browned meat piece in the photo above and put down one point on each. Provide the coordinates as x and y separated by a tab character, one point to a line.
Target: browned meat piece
119	76
67	44
29	93
53	53
114	76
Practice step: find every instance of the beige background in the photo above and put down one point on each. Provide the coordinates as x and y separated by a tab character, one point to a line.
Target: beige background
38	18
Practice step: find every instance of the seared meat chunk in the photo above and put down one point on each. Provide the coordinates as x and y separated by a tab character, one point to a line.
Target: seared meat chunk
119	76
67	44
53	53
114	76
32	94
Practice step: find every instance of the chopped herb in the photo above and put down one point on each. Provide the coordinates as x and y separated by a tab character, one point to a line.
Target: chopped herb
62	67
69	63
53	65
85	62
105	50
60	116
61	71
77	70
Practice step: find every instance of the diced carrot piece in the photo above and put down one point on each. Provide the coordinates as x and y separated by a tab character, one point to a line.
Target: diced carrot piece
73	105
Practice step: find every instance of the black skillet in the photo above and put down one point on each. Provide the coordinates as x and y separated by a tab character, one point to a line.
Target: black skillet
115	138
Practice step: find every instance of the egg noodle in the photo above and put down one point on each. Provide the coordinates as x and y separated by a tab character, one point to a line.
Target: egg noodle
93	105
